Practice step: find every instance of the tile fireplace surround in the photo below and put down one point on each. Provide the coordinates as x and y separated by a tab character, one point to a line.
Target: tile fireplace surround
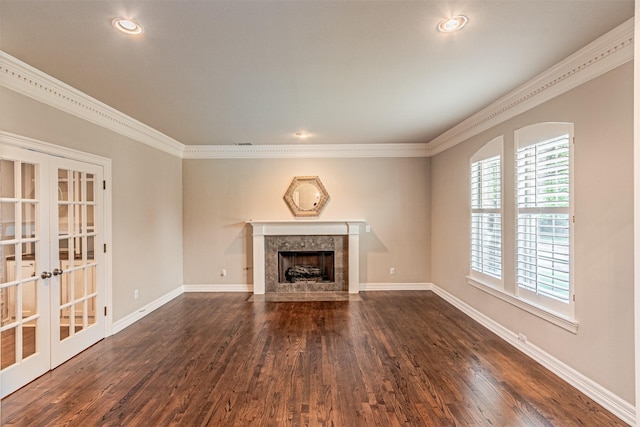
349	228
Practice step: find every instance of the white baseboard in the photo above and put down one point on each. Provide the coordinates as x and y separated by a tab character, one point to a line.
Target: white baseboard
142	312
219	288
395	286
613	403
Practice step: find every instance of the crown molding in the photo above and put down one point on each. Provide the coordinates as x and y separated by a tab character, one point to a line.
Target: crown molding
29	81
604	54
304	151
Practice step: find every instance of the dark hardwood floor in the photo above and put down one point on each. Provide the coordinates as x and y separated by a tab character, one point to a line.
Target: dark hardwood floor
395	358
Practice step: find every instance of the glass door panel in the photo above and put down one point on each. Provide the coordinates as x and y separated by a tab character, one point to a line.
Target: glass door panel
18	255
7	183
24	295
65	322
7	268
7	220
28	181
78	232
29	338
29	220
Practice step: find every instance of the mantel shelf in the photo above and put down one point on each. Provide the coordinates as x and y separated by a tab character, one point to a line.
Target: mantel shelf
306	221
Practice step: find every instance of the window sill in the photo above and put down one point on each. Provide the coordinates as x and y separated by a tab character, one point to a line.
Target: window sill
551	317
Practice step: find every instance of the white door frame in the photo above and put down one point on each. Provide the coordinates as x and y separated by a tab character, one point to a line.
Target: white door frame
59	151
636	213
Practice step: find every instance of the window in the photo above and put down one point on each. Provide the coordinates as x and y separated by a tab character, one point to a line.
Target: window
543	235
486	213
523	254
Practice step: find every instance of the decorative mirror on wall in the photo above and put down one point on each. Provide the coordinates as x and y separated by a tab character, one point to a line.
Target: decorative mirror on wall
306	196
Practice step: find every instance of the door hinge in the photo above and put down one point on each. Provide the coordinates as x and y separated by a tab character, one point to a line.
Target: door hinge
573	219
574	297
573	140
105	248
104	185
105	310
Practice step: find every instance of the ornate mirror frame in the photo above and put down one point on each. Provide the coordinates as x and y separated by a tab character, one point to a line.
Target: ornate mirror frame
292	197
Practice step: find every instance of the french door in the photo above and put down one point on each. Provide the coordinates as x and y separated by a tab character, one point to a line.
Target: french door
51	262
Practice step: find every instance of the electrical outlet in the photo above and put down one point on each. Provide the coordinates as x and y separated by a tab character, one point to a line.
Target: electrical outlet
223	272
136	294
522	337
392	270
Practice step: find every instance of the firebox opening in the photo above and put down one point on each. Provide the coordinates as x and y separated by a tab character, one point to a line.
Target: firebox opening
306	266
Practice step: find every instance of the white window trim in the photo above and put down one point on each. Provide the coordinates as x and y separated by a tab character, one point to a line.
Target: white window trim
493	148
544	313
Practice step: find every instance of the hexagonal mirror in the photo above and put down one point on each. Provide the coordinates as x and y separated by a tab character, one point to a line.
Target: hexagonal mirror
306	196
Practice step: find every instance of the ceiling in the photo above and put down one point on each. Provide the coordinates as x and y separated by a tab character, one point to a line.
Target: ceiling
346	72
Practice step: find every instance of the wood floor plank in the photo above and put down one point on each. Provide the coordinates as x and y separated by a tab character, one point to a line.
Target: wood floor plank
403	358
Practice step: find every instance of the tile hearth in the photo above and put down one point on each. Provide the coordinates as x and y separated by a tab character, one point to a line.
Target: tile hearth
304	297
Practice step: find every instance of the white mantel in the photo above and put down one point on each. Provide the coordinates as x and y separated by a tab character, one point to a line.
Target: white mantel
347	227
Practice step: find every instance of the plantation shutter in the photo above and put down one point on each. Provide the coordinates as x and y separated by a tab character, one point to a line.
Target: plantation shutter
543	223
486	217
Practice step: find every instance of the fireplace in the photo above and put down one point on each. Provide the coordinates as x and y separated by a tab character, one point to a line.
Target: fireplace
306	266
304	237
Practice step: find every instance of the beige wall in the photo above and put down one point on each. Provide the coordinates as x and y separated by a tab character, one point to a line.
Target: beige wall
146	191
603	348
391	194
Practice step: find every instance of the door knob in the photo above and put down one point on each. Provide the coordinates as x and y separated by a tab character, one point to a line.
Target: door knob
45	275
57	271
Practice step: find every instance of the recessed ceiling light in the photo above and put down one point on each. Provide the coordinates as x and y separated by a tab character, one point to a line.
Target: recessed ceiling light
127	26
454	23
